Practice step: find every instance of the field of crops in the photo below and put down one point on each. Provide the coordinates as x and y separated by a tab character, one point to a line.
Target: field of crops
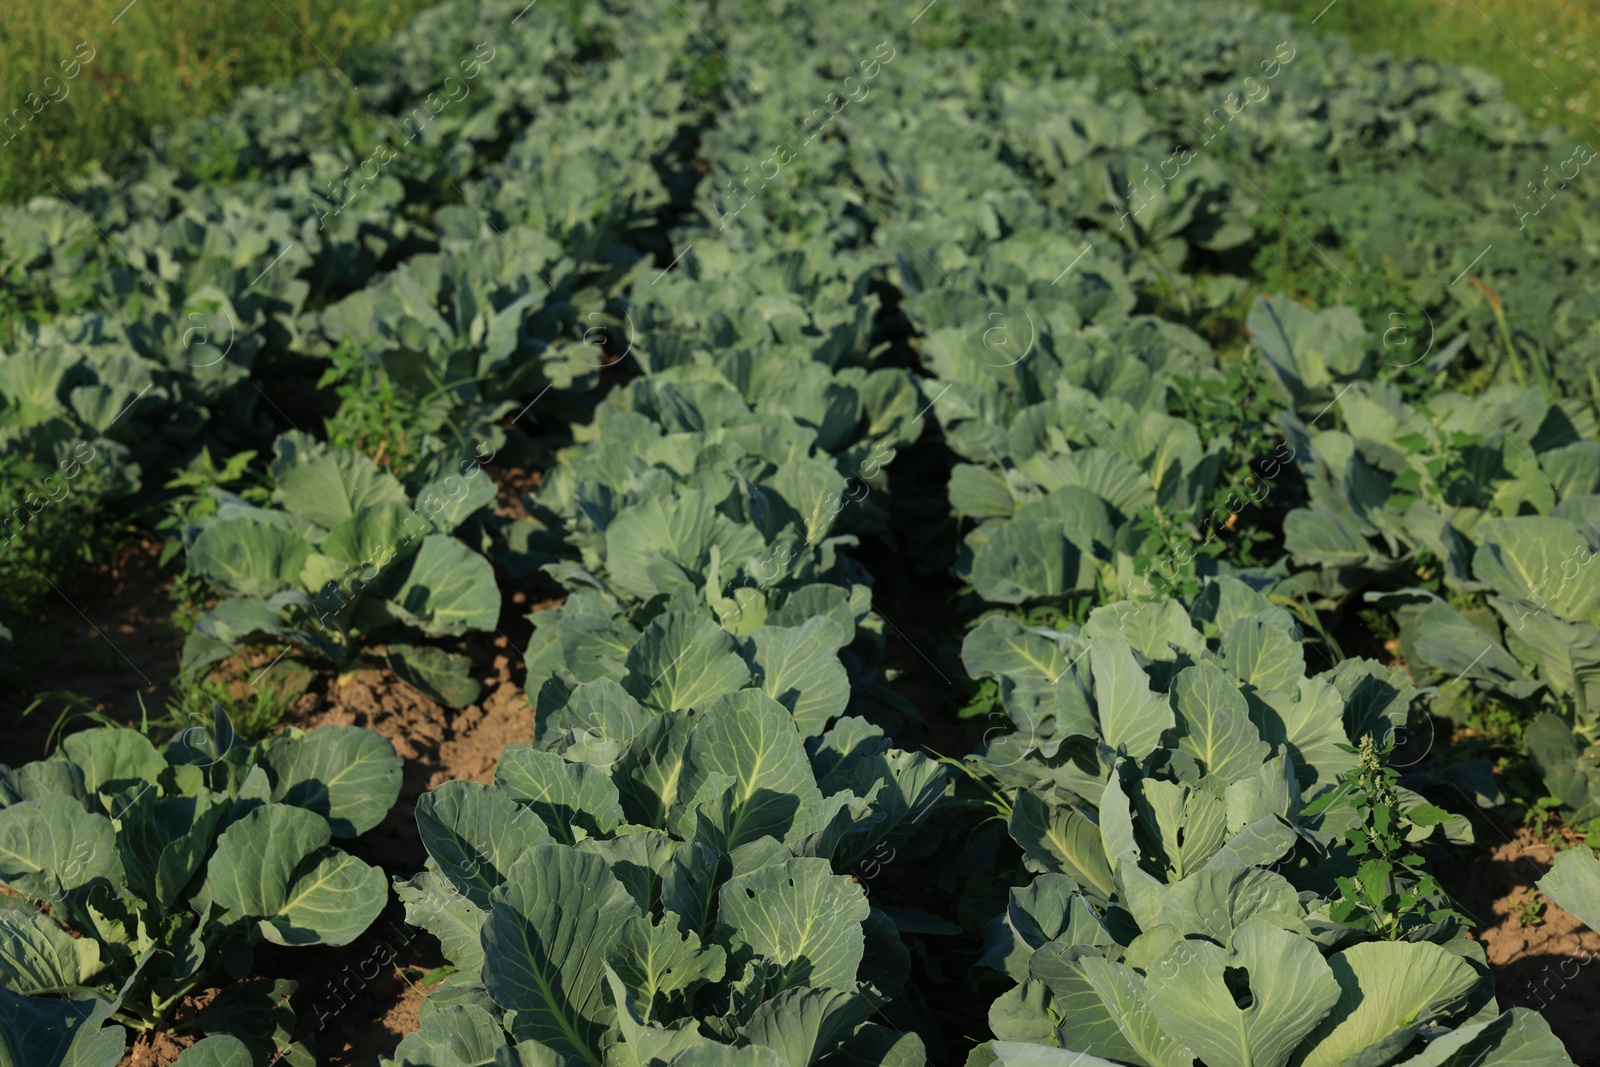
760	535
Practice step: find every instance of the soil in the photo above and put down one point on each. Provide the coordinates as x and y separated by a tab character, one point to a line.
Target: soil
108	639
156	1050
1545	967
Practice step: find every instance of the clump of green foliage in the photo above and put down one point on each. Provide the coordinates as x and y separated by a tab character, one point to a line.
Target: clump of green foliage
191	502
1391	891
41	547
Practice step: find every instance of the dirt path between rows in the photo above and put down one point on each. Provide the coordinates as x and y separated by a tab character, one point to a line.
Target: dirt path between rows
1543	961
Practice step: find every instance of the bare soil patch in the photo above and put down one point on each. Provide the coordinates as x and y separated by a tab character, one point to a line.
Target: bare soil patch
1549	967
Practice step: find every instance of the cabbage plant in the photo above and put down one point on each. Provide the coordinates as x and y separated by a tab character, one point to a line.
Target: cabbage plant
137	876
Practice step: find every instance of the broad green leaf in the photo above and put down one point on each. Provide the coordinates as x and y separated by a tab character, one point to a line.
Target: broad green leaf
446	588
1105	472
645	1043
1215	903
1024	1013
1321	536
544	945
1050	908
799	668
374	538
442	908
844	606
51	844
1571	774
811	492
708	1054
1311	725
567	796
677	529
40	778
1574	883
1122	990
475	832
329	487
219	632
683	661
1214	723
1182	825
1307	351
113	760
163	842
804	1025
905	788
1568	653
1087	1021
1224	601
1132	718
1388	991
1263	842
1197	989
248	558
444	676
1516	1038
46	1032
1001	647
1153	627
595	648
689	885
650	773
1261	653
1044	680
640	859
1018	1054
873	1045
453	499
1027	560
1273	790
598	721
1376	696
1447	640
348	775
274	866
980	493
800	917
218	1050
661	967
38	957
461	1035
1541	560
749	741
1057	839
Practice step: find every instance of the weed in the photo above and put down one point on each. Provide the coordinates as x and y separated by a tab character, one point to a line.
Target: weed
372	417
381	417
1530	909
255	704
1542	819
192	502
43	539
1390	891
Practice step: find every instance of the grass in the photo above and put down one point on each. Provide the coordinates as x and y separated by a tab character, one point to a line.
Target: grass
117	70
155	62
1543	51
